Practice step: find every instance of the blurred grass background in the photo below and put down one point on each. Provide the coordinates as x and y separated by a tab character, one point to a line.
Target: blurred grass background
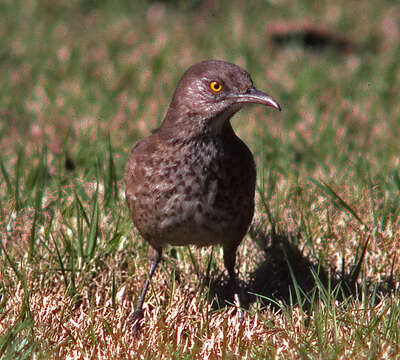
81	81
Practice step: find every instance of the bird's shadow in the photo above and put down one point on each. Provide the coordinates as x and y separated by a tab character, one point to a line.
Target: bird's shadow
285	275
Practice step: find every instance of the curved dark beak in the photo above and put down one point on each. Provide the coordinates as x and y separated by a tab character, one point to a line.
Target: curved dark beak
254	96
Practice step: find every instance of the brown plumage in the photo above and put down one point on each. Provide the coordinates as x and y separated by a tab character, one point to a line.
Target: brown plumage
192	181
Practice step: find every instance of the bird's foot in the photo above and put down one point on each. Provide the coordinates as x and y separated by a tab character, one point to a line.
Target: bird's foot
134	320
238	307
240	315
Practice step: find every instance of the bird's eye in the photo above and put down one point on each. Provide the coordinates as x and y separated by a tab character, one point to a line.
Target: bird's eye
215	86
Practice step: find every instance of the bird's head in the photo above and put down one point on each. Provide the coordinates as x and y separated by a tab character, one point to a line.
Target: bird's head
208	95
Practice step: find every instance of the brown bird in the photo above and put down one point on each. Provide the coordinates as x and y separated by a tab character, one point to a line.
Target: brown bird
192	181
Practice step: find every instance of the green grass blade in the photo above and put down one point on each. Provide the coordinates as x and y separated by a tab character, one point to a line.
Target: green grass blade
80	215
40	184
296	285
337	200
113	291
6	177
93	229
82	209
111	187
14	266
18	174
60	260
70	250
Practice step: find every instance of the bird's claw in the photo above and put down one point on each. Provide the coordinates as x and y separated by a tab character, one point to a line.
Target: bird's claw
134	320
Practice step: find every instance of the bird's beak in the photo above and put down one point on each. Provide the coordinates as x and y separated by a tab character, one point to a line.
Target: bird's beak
254	96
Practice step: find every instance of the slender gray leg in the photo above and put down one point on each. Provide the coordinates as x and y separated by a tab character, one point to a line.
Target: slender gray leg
138	313
229	261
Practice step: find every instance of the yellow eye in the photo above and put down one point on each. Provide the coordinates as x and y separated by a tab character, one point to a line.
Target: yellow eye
215	86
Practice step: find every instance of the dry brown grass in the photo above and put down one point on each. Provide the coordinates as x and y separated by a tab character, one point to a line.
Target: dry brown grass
182	323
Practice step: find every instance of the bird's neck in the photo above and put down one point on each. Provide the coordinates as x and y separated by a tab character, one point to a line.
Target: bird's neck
192	126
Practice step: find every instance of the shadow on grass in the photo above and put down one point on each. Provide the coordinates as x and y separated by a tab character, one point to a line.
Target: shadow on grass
286	275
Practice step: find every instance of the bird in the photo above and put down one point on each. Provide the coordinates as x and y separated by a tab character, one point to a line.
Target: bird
192	180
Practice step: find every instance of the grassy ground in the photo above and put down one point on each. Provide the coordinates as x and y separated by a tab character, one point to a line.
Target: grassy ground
82	80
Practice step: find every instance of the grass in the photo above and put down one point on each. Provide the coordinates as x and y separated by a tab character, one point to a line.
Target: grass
83	80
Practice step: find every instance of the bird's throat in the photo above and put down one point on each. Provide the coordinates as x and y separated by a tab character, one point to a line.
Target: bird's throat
221	123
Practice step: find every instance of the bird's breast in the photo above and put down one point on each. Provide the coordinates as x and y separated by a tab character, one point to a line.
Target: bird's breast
195	192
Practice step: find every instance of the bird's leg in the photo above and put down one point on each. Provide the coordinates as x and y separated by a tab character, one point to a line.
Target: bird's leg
229	261
138	313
